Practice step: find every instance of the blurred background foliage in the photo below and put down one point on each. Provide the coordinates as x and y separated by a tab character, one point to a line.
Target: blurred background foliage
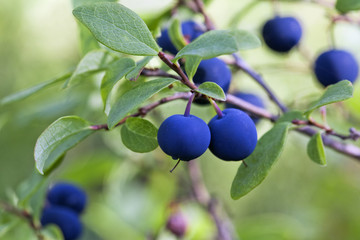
130	194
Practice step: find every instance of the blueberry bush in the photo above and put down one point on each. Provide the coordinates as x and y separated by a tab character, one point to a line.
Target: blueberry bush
170	121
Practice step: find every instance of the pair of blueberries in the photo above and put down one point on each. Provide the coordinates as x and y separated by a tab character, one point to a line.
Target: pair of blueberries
64	203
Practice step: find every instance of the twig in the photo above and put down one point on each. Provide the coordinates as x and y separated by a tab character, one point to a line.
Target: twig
250	108
158	73
178	70
223	224
200	8
353	133
241	64
144	110
25	215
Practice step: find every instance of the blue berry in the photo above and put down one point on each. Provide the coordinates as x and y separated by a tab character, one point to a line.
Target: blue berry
281	34
213	70
67	195
65	219
184	138
190	30
335	65
233	136
251	98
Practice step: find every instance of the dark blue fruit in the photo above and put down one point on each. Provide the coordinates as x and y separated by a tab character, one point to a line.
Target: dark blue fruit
213	70
67	195
281	34
190	30
184	138
335	65
65	219
251	98
233	136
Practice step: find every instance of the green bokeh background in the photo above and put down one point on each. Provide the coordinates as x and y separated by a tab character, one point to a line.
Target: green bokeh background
130	193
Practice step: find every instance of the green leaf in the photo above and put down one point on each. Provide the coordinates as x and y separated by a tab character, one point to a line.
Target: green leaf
114	73
29	187
139	135
315	149
77	3
219	42
59	137
93	62
135	72
347	5
134	97
290	116
212	90
191	65
176	35
259	163
334	93
21	95
118	28
52	232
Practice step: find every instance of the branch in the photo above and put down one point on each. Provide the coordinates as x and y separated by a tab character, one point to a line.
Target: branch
200	9
158	73
222	222
178	70
353	133
241	64
341	147
25	215
146	109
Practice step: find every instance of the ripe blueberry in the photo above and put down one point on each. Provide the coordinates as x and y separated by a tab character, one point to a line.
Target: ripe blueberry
251	98
213	70
335	65
190	31
65	219
184	138
177	224
233	136
281	34
67	195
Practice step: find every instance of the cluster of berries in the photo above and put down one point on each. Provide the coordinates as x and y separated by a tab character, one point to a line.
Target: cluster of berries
64	203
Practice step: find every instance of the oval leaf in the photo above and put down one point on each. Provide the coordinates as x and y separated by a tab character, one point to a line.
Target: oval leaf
139	135
191	65
135	72
290	116
334	93
315	149
18	96
347	5
176	35
114	73
93	62
118	28
219	42
59	137
212	90
134	97
259	163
